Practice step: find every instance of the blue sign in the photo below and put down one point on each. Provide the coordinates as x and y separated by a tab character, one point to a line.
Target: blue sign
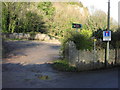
106	35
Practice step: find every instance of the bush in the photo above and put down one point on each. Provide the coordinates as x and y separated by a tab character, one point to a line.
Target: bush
63	65
82	40
116	39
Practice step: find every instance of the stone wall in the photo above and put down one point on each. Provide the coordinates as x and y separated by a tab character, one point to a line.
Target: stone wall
86	60
38	36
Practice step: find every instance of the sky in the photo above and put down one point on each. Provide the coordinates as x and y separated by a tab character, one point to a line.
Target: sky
103	5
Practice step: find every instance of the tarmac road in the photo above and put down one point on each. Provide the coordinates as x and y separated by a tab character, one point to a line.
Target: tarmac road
29	60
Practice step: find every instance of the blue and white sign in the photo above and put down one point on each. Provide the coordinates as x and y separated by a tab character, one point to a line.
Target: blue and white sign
106	35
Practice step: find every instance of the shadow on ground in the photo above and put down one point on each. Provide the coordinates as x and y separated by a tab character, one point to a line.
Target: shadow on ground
12	46
33	72
43	76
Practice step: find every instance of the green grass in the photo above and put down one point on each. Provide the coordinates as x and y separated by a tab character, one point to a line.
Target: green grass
63	65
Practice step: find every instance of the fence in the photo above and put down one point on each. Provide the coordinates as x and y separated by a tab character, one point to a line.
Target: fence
86	60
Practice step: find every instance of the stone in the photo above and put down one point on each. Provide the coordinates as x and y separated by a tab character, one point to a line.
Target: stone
41	36
21	35
26	36
53	38
37	36
16	35
11	36
47	38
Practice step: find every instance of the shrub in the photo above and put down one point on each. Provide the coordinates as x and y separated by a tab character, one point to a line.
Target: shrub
82	40
63	65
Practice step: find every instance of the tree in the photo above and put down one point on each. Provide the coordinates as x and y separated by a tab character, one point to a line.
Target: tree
5	17
116	42
18	17
46	8
97	20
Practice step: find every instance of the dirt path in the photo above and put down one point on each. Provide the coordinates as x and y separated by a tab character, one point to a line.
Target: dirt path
28	62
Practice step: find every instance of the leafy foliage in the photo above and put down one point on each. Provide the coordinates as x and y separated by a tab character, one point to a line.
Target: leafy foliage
47	8
18	18
98	34
56	20
116	39
81	39
63	65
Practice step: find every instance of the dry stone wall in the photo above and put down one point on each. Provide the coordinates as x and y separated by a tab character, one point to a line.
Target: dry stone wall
39	36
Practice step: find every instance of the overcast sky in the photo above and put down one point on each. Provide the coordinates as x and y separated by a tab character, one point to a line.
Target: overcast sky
103	5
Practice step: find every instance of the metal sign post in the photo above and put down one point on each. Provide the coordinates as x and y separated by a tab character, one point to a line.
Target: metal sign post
94	51
76	29
107	37
108	27
77	26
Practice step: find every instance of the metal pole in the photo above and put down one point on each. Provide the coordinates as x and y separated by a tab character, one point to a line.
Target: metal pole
108	27
108	15
94	58
94	50
76	29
